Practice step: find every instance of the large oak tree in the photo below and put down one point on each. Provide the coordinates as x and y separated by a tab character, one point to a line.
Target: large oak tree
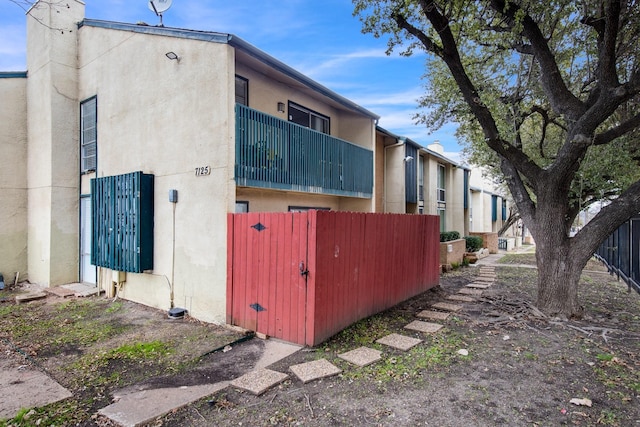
548	92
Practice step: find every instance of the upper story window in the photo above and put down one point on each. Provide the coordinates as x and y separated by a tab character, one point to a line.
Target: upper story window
308	118
441	184
88	134
242	91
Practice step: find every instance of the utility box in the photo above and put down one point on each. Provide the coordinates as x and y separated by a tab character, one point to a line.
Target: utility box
122	219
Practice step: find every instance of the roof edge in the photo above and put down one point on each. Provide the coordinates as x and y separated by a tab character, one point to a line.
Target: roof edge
237	43
13	74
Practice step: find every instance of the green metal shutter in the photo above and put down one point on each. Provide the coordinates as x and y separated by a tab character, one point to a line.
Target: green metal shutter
122	209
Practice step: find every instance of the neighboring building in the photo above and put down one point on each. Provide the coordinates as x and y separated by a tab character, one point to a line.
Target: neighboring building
130	144
421	180
490	206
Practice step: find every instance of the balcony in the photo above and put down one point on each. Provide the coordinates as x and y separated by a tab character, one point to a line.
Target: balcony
274	153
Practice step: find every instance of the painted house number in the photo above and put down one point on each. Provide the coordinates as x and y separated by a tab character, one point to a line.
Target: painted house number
203	170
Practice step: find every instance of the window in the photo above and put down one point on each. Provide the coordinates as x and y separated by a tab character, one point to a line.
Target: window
307	118
88	134
443	220
441	184
242	91
306	209
242	207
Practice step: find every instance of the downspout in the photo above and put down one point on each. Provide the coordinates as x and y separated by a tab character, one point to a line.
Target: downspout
401	142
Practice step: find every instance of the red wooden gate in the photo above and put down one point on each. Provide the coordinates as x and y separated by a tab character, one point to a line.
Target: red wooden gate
303	277
266	291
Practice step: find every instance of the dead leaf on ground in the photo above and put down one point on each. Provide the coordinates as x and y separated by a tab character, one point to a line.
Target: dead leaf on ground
581	402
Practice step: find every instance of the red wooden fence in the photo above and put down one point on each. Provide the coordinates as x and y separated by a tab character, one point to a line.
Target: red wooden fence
305	276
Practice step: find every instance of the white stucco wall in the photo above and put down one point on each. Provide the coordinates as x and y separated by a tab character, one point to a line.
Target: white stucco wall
52	164
167	118
13	177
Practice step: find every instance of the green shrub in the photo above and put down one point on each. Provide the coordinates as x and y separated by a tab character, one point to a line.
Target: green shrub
474	243
447	236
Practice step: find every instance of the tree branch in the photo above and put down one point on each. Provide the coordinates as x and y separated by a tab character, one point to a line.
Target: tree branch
561	99
450	55
618	131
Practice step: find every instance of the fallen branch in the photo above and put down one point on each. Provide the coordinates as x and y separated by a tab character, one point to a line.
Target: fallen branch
309	405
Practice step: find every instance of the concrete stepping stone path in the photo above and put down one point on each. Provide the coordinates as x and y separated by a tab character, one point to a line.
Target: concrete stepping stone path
460	298
314	370
259	381
478	285
472	292
433	315
427	327
447	306
400	342
362	356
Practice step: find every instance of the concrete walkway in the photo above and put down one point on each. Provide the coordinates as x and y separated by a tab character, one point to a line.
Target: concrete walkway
135	406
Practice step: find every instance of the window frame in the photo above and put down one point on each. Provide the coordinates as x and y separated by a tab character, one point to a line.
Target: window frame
441	189
245	96
244	205
306	208
85	165
310	114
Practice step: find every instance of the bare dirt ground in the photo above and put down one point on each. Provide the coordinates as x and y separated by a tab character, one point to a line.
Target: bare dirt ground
522	369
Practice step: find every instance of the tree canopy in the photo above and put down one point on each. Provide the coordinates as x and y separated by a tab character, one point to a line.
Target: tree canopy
546	91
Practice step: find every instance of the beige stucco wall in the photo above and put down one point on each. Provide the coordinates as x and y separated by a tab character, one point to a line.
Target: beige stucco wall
455	200
13	177
167	118
265	93
394	191
52	164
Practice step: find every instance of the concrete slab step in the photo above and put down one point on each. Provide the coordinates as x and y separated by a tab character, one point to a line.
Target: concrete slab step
427	327
317	369
362	356
472	292
259	381
400	342
433	315
447	306
460	298
33	296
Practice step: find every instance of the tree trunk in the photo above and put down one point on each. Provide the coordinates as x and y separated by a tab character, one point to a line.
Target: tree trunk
558	278
559	258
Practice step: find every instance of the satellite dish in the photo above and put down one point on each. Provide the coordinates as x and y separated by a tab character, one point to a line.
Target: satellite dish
158	7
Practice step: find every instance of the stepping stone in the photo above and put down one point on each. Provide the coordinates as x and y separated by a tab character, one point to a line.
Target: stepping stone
401	342
362	356
419	325
447	306
259	381
60	291
433	315
315	370
466	291
478	285
30	297
460	298
484	279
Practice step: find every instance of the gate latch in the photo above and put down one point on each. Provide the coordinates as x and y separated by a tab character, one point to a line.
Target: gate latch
303	272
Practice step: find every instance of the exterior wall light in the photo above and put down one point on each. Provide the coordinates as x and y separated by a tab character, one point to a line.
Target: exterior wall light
280	107
172	56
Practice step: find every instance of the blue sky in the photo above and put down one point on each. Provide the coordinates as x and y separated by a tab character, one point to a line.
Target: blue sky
318	38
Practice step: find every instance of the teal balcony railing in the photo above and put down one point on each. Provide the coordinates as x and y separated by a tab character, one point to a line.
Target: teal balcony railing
274	153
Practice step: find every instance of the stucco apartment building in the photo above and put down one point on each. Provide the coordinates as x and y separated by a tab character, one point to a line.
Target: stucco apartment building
125	147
